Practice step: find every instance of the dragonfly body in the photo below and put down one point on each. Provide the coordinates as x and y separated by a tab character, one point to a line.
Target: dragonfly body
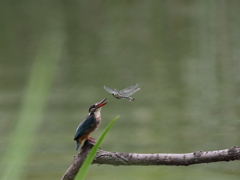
117	95
125	93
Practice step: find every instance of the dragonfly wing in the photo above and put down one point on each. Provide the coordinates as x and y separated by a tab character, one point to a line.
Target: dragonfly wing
130	93
129	89
109	89
116	90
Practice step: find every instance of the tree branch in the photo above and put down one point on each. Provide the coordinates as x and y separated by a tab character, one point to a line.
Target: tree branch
121	158
77	161
198	157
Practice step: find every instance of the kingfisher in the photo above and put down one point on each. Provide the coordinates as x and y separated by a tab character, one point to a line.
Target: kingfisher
89	124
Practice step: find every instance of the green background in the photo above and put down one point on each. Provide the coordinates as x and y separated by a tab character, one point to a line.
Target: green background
55	57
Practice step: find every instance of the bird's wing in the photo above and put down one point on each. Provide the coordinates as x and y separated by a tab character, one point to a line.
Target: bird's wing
130	92
128	89
109	89
83	126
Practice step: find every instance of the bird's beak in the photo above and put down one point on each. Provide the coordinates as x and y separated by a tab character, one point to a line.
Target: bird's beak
102	103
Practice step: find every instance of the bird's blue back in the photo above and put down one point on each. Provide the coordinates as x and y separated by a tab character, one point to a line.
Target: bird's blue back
84	125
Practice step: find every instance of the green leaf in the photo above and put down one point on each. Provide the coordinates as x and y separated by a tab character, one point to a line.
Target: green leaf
88	161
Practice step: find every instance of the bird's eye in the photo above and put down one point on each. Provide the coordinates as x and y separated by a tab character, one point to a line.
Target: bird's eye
91	108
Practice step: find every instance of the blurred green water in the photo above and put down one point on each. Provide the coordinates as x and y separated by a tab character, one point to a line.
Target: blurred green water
183	54
34	100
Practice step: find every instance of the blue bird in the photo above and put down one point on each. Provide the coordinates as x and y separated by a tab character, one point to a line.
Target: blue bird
89	124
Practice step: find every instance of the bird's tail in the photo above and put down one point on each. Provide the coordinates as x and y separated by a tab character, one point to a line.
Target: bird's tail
77	145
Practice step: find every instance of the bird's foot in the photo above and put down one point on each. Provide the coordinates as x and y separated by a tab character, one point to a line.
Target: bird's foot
92	140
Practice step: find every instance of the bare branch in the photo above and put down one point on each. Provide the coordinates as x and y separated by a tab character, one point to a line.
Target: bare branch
198	157
127	159
77	161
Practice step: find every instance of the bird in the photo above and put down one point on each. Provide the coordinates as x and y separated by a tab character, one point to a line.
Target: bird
89	124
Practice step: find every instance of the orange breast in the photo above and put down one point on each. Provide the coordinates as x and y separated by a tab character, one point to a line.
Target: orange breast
87	133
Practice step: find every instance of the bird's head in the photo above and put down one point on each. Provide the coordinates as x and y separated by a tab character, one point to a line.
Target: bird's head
96	108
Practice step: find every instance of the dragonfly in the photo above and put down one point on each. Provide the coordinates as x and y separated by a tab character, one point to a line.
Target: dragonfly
125	93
